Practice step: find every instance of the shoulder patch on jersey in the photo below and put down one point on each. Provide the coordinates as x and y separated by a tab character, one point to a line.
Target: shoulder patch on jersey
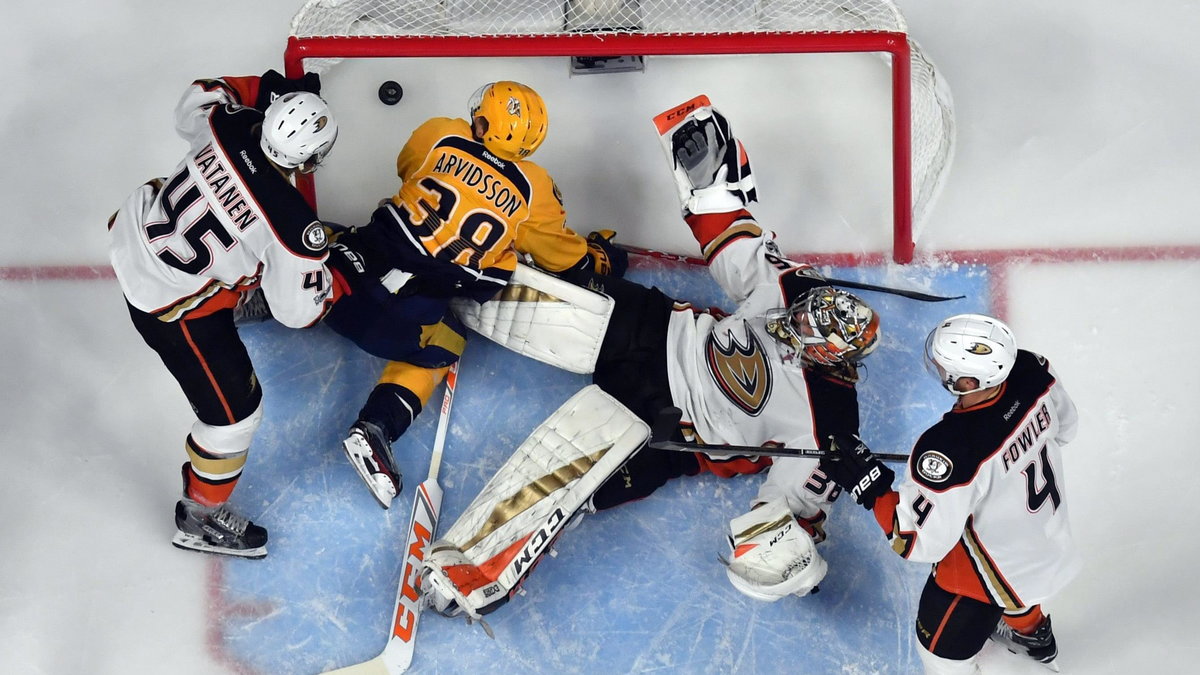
314	237
934	467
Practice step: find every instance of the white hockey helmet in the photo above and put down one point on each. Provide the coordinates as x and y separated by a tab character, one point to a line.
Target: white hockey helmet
826	326
298	128
974	346
772	556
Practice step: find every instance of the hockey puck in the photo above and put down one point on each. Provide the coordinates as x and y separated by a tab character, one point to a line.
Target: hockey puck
391	92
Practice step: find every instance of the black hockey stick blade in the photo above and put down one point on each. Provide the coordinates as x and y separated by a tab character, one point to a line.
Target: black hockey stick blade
902	292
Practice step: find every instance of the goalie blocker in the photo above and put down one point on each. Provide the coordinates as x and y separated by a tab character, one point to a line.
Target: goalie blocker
487	553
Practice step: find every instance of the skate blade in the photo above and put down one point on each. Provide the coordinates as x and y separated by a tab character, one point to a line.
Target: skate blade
1052	665
384	499
191	542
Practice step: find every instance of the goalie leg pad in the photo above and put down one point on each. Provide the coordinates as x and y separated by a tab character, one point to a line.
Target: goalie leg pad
772	555
486	554
543	317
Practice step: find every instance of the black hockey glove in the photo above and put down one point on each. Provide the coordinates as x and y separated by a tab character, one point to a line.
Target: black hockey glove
602	258
607	258
352	255
849	463
272	85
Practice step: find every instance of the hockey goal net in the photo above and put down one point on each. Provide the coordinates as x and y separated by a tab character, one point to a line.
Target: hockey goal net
324	32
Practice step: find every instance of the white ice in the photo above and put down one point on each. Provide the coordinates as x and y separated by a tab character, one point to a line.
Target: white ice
1076	128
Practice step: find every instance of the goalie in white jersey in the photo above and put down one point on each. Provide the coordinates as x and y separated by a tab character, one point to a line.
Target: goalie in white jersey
780	370
984	499
188	248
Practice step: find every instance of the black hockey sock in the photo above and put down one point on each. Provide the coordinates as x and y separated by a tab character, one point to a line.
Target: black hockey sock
392	408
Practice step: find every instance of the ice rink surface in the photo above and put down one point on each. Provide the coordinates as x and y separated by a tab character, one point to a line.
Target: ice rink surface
1070	212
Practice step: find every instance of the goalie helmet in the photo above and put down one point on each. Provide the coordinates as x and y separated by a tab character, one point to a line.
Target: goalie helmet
974	346
515	117
297	129
772	556
826	326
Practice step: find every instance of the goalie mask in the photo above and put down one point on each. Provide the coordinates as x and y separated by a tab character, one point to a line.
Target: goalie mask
970	346
825	326
515	116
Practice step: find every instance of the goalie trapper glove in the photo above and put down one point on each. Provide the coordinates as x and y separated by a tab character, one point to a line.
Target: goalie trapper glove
850	464
711	167
272	85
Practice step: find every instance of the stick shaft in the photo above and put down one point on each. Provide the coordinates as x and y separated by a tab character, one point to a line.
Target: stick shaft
902	292
439	439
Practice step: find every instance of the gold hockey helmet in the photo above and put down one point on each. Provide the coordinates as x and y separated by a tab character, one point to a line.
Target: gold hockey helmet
515	117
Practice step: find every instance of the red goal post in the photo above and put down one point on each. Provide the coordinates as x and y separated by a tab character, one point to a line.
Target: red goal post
325	31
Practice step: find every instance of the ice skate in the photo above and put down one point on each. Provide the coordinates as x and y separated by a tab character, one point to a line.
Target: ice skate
371	455
1039	645
217	529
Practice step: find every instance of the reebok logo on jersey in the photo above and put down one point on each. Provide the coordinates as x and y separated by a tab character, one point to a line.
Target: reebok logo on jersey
246	160
741	371
934	467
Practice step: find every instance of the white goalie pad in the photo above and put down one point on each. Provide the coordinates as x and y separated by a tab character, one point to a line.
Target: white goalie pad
481	560
543	317
772	555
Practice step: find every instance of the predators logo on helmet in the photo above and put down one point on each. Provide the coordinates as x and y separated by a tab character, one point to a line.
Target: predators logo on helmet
515	120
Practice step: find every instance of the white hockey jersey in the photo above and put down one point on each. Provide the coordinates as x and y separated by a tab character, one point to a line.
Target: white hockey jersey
225	220
985	498
733	383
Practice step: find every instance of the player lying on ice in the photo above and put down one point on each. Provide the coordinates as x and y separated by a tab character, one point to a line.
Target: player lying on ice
983	498
781	369
444	235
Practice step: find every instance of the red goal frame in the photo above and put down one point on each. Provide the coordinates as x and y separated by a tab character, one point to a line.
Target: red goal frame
629	44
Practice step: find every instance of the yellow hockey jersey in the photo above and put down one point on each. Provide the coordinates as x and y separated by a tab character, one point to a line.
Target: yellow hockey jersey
463	205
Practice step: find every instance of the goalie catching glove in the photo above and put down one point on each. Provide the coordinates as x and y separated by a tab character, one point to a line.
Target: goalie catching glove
712	171
850	464
772	555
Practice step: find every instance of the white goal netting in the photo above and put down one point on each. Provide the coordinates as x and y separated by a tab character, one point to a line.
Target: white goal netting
363	27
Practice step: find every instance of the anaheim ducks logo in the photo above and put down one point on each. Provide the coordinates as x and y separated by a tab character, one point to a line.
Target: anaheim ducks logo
980	349
740	370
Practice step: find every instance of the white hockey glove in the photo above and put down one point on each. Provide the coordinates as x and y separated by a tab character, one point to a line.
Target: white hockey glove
771	555
712	171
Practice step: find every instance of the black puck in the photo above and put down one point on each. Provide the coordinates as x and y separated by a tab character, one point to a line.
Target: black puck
391	92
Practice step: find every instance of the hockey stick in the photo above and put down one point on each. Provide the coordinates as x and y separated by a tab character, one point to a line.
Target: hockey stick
668	419
397	654
902	292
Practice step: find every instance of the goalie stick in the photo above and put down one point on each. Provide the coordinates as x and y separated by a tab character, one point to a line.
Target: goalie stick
397	654
902	292
668	419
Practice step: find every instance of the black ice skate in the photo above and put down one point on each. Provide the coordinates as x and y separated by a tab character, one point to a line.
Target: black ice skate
217	530
371	455
1039	645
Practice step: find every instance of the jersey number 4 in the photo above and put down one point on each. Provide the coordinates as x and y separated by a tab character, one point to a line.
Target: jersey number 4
179	196
1036	496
